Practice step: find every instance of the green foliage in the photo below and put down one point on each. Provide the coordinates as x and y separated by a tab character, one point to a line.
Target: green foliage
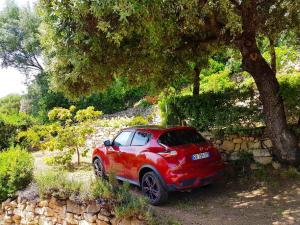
10	125
10	104
214	66
217	82
291	173
119	96
129	205
56	184
138	120
144	103
285	56
11	121
242	165
67	133
210	111
290	91
19	38
16	168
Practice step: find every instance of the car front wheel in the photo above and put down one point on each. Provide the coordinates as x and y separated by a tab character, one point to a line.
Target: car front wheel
153	189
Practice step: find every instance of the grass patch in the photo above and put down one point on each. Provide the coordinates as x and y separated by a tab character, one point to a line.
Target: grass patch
57	184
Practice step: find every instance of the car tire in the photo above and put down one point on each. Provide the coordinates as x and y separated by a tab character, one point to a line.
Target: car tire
153	189
99	168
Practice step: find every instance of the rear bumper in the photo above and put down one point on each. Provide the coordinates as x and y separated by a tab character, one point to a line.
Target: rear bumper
196	177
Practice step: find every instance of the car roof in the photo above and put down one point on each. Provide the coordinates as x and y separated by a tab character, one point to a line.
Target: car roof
157	128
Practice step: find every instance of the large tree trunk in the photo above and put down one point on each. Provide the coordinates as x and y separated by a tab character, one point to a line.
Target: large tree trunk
196	86
284	140
273	55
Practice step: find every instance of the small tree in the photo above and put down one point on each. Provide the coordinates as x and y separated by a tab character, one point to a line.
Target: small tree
67	133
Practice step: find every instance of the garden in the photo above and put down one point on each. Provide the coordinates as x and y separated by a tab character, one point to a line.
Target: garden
95	67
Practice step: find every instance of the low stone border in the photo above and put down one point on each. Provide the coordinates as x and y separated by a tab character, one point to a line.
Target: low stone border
60	212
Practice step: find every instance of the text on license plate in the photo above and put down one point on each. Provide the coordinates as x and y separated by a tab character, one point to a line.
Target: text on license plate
201	155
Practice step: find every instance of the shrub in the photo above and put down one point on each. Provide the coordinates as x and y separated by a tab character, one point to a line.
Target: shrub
16	168
212	111
10	104
119	96
290	91
138	120
10	125
217	82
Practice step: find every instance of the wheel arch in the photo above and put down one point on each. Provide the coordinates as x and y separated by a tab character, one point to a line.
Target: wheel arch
148	168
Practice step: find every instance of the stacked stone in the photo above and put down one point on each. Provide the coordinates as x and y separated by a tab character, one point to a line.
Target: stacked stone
232	146
60	212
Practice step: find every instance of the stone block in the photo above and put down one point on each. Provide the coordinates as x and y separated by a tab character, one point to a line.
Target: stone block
72	207
261	152
90	217
267	143
93	208
237	140
264	160
103	218
227	145
254	145
237	147
244	146
43	203
100	222
48	212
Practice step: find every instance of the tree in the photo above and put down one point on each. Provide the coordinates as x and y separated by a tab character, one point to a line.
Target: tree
67	133
89	41
10	104
19	39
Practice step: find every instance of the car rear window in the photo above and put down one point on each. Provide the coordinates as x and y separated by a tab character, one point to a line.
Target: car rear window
181	137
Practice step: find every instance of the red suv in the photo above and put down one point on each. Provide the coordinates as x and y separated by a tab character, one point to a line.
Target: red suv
159	159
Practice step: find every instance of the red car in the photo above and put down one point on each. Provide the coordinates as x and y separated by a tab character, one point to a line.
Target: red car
159	159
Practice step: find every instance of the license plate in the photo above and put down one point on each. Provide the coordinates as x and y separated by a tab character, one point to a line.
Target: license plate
201	155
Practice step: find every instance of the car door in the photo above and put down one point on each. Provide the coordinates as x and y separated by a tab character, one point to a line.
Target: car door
130	154
119	144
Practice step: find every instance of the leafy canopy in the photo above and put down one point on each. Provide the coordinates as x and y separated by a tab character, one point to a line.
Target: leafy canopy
19	39
87	42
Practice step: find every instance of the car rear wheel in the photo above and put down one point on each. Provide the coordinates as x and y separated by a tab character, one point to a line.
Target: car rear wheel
153	189
99	168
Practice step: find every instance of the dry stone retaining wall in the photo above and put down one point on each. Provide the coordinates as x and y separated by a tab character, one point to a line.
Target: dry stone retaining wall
60	212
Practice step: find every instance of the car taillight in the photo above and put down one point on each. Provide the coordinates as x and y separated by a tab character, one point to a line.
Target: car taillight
168	153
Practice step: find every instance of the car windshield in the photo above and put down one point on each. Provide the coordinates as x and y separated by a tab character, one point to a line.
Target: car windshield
180	137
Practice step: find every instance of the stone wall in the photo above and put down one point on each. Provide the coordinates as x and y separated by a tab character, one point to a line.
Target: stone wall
60	212
232	146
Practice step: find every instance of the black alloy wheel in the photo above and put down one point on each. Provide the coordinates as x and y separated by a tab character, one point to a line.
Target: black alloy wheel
153	189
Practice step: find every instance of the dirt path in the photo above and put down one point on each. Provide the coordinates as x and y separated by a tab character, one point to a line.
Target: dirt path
231	204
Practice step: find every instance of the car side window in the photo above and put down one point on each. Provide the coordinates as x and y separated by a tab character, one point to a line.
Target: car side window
123	139
140	138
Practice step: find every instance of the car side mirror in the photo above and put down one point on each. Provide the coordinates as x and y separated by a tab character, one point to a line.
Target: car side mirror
107	143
